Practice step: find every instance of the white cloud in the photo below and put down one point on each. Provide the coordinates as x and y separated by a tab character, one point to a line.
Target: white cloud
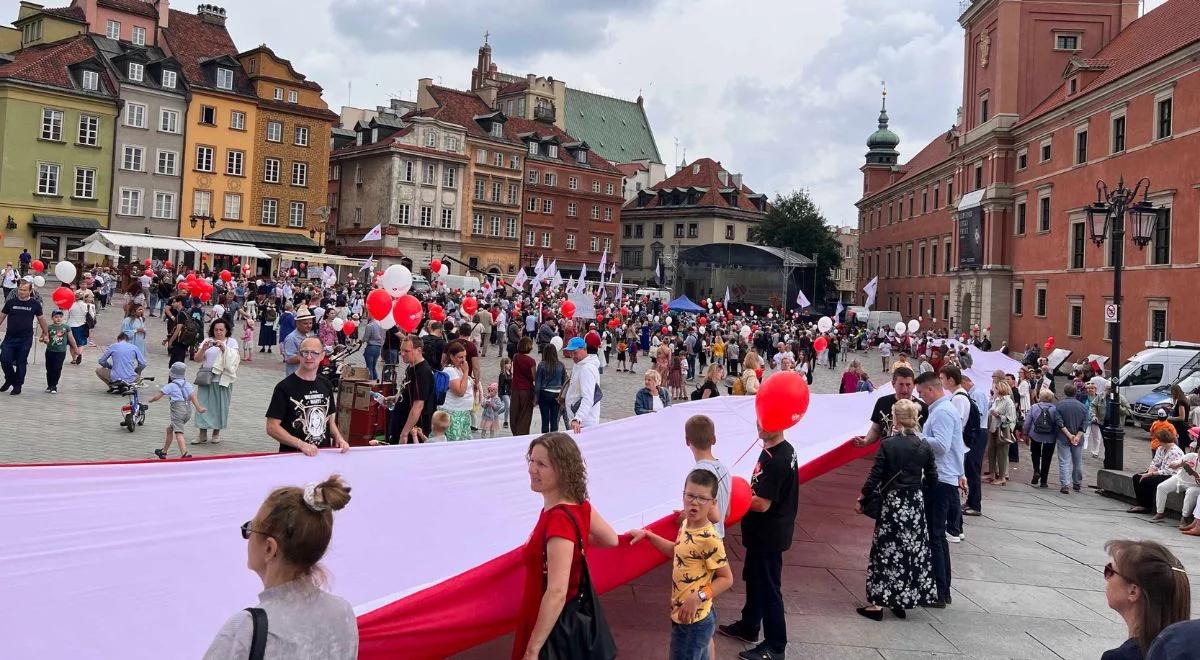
785	92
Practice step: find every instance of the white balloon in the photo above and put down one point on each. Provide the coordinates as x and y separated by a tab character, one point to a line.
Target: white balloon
387	322
670	320
65	271
900	327
39	281
337	324
914	326
444	270
28	278
824	324
554	341
396	280
218	310
745	331
701	329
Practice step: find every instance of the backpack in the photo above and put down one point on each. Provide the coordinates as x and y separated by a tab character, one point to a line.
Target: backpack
441	384
190	333
1044	422
972	425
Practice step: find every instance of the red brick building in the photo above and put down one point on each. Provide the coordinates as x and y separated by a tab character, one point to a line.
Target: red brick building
986	224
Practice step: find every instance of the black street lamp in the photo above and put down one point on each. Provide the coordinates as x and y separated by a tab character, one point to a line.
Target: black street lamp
203	220
1109	211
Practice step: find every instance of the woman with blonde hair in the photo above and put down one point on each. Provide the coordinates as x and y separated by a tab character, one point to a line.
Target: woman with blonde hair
900	568
749	378
566	528
653	397
1002	419
1148	586
286	539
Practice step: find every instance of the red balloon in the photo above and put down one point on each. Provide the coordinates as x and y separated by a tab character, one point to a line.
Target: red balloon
739	501
781	401
167	264
226	276
568	309
665	329
63	297
37	265
437	313
614	324
820	344
703	320
435	265
148	273
147	262
379	303
205	296
407	313
717	304
191	277
348	328
470	305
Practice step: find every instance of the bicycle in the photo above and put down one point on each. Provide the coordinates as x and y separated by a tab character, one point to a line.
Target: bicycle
133	414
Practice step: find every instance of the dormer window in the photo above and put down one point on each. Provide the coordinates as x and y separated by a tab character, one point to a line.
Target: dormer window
497	130
91	81
431	139
533	148
136	72
1073	85
553	151
169	79
581	156
139	36
278	93
31	32
293	96
224	78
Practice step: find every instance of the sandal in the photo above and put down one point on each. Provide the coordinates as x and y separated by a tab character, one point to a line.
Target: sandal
160	453
186	456
1137	509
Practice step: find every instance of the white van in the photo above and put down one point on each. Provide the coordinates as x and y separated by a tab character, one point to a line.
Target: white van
860	314
1160	364
883	319
464	282
654	294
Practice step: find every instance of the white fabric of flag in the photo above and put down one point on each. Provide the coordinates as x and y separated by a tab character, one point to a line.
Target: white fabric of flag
375	234
802	300
519	280
368	264
583	272
540	266
840	308
553	268
870	290
556	281
726	303
603	262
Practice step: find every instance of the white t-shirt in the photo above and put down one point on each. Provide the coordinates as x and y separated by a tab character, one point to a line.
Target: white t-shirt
885	349
453	401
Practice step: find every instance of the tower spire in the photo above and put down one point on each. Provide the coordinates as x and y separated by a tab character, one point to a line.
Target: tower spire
883	142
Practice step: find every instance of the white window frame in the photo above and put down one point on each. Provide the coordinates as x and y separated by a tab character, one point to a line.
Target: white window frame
449	176
595	212
573	183
608	189
429	174
168	120
403	214
1082	128
278	93
169	79
481	156
139	35
91	81
1023	151
137	71
52	124
548	179
533	148
89	131
530	238
272	169
300	133
235	162
532	177
164	205
552	150
224	78
85	183
510	227
547	206
572	209
497	191
477	224
409	171
498	160
608	213
138	161
1061	34
570	241
596	186
296	212
1072	302
202	203
231	206
426	216
1042	144
593	243
293	96
607	243
431	139
131	205
112	30
452	143
1112	134
300	174
237	120
209	110
201	152
1167	94
447	218
545	239
135	115
274	131
533	205
49	178
270	212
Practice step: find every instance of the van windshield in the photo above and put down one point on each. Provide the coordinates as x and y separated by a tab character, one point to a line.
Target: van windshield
1141	373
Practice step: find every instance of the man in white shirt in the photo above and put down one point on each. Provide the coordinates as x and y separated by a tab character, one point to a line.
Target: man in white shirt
583	394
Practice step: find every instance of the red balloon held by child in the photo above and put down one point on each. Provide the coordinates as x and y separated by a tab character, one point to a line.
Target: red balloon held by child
820	344
568	309
781	401
739	501
470	305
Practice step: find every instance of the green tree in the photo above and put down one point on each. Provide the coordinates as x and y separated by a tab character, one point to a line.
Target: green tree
795	222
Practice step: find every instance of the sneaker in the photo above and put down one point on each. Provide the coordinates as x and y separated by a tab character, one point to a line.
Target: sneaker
47	390
761	652
54	390
162	455
736	631
971	512
953	539
1077	487
5	387
1064	490
15	390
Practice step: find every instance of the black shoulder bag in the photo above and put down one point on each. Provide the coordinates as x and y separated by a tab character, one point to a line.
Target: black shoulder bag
872	503
258	643
581	633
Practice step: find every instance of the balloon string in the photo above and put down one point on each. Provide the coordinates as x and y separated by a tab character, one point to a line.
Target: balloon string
739	460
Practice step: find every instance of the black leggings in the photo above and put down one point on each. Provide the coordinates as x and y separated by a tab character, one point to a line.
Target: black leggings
1145	486
1043	453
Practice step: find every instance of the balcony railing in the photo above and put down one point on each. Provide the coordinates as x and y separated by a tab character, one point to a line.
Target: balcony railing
543	113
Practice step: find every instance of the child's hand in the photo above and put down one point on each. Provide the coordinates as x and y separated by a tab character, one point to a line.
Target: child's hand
636	535
202	409
687	611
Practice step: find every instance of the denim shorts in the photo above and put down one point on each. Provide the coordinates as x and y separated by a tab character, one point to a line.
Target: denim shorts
689	641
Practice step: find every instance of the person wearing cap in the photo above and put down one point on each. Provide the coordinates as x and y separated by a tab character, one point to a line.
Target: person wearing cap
290	348
58	336
183	397
593	341
583	393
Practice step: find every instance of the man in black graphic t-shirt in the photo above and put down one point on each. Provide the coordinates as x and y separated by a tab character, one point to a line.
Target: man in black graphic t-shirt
903	380
20	311
300	416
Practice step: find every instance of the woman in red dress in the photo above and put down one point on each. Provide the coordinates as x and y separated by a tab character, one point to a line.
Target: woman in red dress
556	470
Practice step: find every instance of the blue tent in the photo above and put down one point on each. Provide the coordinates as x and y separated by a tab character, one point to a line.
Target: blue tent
682	304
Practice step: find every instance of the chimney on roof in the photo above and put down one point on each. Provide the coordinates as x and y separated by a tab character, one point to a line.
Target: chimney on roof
163	7
211	14
723	176
737	181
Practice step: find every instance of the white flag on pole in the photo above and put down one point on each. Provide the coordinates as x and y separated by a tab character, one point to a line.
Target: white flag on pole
556	281
553	268
583	272
368	264
870	290
612	271
801	299
376	234
519	280
726	297
540	266
840	308
603	262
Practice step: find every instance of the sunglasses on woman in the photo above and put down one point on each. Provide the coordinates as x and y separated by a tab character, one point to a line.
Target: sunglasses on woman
1109	571
247	530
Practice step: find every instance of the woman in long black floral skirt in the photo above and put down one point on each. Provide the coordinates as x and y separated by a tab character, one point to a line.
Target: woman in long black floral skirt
900	572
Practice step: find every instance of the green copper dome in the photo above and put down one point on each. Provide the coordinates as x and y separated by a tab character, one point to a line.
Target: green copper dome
883	138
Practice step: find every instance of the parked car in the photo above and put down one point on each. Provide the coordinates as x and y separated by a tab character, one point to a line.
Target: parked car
420	284
1145	409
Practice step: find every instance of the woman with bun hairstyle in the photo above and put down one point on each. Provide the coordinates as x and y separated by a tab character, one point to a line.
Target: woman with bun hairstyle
285	540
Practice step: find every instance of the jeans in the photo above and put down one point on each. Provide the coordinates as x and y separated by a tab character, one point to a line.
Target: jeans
154	303
941	506
54	365
371	356
549	408
762	572
392	356
1073	453
81	334
689	641
691	359
973	464
14	358
1042	451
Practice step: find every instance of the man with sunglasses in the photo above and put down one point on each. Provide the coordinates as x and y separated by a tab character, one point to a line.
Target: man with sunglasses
301	416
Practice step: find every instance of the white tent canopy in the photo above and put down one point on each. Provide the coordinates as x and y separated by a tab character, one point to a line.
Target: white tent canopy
151	241
230	249
97	247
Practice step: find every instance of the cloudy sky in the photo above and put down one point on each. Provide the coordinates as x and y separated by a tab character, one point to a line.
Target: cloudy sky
785	92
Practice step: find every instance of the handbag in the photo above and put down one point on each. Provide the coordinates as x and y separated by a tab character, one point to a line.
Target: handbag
581	631
872	503
204	376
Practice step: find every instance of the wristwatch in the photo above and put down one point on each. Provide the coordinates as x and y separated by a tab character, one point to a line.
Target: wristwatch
702	595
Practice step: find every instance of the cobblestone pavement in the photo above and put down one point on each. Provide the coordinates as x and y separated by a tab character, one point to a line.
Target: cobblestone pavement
82	422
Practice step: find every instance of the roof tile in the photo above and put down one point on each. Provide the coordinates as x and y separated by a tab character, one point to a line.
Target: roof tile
701	173
138	7
194	41
617	129
48	64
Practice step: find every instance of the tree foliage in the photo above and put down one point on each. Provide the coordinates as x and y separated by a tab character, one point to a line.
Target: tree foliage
795	222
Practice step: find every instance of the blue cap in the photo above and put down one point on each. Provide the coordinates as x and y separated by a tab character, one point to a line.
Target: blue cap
575	344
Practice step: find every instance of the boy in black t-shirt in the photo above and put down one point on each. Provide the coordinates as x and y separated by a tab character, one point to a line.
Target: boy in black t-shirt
767	532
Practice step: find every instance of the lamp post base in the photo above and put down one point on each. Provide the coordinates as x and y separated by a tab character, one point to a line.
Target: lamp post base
1114	447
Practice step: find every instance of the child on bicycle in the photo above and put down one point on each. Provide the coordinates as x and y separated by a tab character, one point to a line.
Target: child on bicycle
183	397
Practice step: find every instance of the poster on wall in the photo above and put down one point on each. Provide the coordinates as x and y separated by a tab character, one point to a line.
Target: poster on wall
970	230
